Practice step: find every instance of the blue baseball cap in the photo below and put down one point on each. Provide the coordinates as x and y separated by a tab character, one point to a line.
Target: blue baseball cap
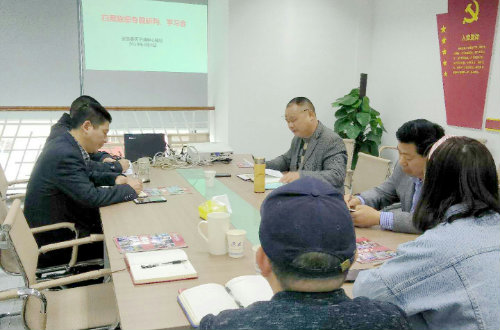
307	215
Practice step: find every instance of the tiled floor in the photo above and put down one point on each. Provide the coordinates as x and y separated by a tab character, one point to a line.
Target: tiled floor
13	322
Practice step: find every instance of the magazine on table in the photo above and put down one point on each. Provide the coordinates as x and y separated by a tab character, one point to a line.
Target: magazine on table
148	242
164	191
370	251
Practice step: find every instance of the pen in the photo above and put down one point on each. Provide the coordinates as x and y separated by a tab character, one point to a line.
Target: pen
174	262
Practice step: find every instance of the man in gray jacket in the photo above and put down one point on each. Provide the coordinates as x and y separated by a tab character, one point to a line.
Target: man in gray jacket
414	141
316	151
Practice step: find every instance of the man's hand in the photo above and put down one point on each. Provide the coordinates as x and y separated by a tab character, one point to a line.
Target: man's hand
124	163
120	179
365	216
351	201
136	184
108	160
289	177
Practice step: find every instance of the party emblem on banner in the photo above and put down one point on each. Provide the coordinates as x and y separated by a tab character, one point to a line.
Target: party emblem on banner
474	14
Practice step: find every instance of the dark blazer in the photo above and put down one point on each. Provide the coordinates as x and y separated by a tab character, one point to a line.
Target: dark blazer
63	125
62	188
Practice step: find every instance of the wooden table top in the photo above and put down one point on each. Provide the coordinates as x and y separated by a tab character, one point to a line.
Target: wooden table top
154	306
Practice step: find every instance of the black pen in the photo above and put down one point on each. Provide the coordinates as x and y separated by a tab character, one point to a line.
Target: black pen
174	262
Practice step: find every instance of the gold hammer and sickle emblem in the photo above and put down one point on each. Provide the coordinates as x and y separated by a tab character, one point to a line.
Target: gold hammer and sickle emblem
474	14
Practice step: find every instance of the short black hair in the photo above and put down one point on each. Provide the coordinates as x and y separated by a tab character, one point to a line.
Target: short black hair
301	100
94	112
459	171
79	101
420	132
286	274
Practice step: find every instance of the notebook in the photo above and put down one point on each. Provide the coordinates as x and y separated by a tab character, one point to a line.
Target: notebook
213	298
143	145
159	266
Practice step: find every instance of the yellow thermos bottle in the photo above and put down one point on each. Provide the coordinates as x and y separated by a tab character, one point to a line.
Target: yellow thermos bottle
259	172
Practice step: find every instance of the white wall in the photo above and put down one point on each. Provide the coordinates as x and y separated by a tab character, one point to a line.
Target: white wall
282	49
218	26
404	81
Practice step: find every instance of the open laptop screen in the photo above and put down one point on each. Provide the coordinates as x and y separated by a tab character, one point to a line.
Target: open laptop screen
143	145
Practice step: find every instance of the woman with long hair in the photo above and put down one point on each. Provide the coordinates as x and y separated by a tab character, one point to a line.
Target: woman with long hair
448	278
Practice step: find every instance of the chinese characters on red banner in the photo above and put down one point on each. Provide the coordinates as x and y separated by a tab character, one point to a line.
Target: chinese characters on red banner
465	40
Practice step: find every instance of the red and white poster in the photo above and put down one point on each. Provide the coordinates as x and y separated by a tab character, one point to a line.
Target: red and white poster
466	36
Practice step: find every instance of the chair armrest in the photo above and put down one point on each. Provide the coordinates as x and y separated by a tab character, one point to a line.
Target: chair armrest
9	294
60	225
75	242
23	292
8	197
71	279
10	183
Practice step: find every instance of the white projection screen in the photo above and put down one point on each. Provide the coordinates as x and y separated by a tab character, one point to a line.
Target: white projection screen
144	52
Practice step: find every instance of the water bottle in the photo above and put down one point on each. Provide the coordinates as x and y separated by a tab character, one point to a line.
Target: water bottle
259	172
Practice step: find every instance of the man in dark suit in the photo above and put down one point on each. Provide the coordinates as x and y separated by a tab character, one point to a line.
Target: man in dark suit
100	160
63	186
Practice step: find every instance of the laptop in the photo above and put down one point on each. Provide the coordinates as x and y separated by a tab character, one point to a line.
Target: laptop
143	145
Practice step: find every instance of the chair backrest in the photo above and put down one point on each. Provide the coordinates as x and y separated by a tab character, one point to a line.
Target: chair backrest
349	146
370	172
4	184
24	245
8	261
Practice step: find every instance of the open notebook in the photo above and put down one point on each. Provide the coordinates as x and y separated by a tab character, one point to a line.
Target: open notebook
272	178
213	298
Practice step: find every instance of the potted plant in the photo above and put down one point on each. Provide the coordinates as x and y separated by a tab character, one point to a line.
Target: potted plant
356	119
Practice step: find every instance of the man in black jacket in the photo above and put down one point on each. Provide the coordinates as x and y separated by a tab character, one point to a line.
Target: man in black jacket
100	160
64	187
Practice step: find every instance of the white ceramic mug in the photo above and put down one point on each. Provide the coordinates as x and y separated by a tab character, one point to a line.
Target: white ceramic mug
217	225
236	242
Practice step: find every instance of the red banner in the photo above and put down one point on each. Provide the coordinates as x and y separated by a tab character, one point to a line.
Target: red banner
465	40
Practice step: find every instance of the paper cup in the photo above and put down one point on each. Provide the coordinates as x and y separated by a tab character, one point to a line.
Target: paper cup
236	242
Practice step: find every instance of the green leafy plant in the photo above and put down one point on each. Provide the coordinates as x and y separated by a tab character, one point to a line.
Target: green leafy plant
356	119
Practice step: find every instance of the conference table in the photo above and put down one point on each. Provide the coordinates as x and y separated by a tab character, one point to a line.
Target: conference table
154	306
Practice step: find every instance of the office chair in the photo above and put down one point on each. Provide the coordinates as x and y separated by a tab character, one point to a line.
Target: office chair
84	307
10	266
370	172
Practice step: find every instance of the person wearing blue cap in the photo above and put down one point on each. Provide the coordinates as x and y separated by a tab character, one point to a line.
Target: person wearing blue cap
307	246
